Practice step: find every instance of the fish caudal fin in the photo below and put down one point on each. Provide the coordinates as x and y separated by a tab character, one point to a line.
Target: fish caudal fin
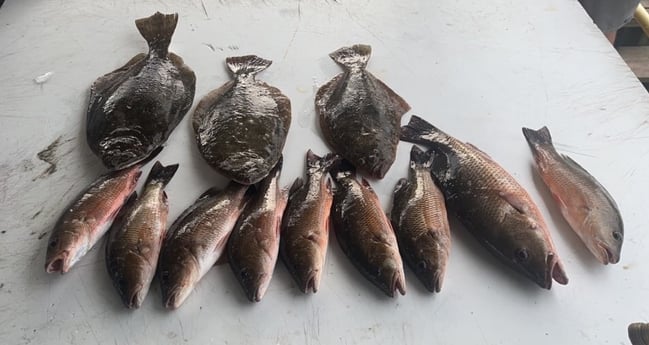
157	31
249	64
419	157
161	173
324	163
342	169
540	137
417	128
354	56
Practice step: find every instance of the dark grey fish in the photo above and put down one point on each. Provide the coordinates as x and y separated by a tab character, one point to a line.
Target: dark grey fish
196	240
305	224
360	115
584	202
253	246
88	218
364	232
241	127
135	238
419	219
134	109
639	333
491	204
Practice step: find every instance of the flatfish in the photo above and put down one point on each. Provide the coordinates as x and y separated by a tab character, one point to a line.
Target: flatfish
241	127
360	115
134	109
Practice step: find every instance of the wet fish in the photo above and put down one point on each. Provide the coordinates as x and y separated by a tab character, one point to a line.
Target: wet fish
364	232
241	127
88	218
134	109
254	244
196	240
639	333
419	219
360	115
584	202
136	236
305	224
490	204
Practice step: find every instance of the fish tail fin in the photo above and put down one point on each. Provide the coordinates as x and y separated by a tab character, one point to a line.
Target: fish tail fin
161	173
323	163
420	157
342	169
157	30
249	64
417	128
354	56
540	137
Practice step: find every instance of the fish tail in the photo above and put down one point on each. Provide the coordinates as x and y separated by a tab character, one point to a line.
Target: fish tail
161	173
157	30
417	128
420	157
249	64
354	56
342	169
540	137
324	163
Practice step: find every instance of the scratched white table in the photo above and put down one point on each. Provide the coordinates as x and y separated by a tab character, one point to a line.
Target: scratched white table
479	70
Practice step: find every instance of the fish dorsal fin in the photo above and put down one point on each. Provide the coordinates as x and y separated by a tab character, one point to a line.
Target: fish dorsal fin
352	57
484	154
578	167
247	65
157	31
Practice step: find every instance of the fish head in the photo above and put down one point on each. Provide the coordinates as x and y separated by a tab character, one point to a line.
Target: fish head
133	284
124	147
254	284
430	267
177	282
66	246
604	239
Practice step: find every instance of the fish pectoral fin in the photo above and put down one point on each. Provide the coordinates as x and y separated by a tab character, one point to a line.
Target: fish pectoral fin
518	203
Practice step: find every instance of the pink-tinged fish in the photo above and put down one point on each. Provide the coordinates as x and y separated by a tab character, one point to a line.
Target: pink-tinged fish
253	246
584	202
491	204
135	238
364	232
88	218
419	219
196	240
305	225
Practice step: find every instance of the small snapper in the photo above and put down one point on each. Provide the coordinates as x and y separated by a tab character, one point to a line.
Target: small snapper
133	110
364	232
491	204
584	203
419	219
305	225
88	218
253	246
359	114
135	238
196	240
241	127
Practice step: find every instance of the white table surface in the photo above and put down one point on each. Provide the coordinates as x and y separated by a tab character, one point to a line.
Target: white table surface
479	70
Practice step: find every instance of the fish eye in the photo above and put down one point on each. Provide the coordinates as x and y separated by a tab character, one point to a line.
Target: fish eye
53	243
522	254
617	235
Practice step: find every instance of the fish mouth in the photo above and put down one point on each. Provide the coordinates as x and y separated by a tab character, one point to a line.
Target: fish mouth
311	283
58	263
175	298
607	256
555	271
398	284
435	285
136	297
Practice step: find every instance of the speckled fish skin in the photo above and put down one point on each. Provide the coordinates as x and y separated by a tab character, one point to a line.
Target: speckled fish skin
360	115
241	127
491	204
135	238
364	232
196	240
420	222
584	202
134	109
305	224
88	218
253	246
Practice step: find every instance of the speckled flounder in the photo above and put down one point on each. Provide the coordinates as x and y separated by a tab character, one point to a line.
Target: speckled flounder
305	225
253	246
135	238
241	127
88	218
364	232
491	204
134	109
419	219
584	202
360	115
196	240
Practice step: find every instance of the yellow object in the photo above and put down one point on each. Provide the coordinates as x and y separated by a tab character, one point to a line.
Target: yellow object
642	17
